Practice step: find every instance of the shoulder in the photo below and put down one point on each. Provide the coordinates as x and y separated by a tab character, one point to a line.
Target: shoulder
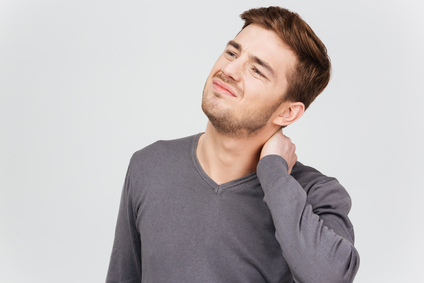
321	188
328	198
162	150
308	176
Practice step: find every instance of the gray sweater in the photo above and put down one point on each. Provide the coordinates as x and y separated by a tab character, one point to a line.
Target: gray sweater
175	224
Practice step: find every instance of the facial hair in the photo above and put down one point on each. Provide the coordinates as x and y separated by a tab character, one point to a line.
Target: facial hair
225	121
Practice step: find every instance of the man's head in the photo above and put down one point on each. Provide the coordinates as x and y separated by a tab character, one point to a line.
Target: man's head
267	75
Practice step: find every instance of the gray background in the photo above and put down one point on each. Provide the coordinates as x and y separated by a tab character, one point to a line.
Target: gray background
84	84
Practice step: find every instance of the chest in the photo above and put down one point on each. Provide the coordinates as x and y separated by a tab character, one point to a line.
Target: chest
189	227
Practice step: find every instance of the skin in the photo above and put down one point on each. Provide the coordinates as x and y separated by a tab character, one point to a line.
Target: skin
242	99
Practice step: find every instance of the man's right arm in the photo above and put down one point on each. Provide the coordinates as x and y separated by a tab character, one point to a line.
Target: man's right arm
125	261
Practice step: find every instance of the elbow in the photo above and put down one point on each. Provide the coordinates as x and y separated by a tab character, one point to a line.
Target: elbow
336	271
346	272
352	266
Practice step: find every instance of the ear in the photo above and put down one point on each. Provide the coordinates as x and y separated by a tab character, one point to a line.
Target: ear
288	113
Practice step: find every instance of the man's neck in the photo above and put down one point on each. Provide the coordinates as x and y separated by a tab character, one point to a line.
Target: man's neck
224	158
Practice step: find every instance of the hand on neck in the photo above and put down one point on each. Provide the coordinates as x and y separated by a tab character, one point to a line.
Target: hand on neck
226	158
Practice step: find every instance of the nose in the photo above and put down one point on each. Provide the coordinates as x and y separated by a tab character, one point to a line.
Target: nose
232	69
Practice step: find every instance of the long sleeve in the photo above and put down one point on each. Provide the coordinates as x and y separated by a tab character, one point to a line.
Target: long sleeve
310	218
125	261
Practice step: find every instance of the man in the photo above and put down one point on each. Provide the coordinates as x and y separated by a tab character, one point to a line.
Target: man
222	206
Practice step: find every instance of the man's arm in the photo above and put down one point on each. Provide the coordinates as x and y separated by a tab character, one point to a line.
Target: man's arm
125	261
312	228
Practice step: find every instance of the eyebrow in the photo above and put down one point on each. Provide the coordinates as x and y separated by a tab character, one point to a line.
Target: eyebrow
235	45
252	57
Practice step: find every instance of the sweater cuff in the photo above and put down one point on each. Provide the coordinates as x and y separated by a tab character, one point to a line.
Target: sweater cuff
271	167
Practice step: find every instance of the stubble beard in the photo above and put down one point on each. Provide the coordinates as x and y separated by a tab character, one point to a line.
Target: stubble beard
251	122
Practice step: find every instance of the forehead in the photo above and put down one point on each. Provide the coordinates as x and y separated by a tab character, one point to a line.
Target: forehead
266	45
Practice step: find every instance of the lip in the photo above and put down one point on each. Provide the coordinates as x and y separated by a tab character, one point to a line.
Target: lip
222	87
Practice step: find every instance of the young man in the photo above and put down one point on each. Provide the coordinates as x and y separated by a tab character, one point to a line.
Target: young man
233	204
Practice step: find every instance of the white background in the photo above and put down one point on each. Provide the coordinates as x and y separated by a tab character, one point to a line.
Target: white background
84	84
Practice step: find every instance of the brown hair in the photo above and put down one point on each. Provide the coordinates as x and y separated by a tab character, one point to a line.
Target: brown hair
312	71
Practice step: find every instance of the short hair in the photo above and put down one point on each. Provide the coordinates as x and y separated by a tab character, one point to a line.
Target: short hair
311	73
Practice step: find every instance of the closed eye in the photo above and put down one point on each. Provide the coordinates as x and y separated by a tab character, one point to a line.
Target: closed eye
258	72
230	53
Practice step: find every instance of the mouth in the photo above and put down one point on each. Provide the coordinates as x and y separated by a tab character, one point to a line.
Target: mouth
223	88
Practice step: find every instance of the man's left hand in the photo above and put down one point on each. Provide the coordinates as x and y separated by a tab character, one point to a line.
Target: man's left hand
280	144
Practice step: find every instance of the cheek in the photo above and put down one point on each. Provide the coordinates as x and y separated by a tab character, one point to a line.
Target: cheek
254	89
259	94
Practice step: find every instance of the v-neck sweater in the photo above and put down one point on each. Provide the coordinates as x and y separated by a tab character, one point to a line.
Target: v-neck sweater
175	224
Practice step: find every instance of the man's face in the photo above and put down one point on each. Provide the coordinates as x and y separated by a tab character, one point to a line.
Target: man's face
247	82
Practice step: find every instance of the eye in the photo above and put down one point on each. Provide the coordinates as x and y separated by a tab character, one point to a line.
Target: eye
257	72
230	53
